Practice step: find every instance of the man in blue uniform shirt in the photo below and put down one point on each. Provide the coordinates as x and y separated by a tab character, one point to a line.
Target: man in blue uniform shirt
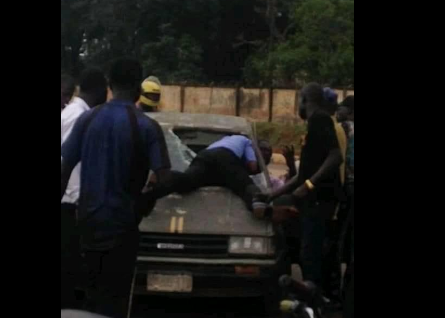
229	163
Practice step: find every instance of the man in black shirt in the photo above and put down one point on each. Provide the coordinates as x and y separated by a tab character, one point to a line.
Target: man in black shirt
317	188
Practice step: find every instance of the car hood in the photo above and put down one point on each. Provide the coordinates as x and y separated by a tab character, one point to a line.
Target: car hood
210	210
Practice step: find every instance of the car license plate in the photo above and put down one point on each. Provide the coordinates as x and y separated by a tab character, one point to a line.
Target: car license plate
171	283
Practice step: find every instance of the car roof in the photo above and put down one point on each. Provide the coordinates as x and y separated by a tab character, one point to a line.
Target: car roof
223	123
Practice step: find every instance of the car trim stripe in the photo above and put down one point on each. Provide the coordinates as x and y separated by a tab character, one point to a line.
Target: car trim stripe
207	261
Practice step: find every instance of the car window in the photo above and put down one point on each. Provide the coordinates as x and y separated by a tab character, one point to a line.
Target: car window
180	155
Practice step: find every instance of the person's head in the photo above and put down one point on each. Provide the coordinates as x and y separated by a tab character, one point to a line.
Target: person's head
312	98
125	79
266	151
331	98
150	94
346	110
93	86
68	87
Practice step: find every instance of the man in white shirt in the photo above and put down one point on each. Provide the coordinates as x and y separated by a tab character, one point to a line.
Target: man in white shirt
93	92
67	90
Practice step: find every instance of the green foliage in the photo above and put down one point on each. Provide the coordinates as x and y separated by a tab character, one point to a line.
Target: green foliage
261	42
280	135
321	49
174	60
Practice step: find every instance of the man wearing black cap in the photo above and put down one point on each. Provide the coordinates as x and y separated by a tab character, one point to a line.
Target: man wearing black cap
316	189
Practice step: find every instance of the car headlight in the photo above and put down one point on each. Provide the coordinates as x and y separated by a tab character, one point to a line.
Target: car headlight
251	245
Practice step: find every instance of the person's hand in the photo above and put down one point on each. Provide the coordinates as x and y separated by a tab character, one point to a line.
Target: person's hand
268	196
301	192
283	213
144	205
289	155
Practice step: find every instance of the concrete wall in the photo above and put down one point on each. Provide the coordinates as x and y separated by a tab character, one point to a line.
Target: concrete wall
171	99
254	104
285	106
206	100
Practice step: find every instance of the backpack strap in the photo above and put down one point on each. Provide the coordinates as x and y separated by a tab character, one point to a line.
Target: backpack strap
139	161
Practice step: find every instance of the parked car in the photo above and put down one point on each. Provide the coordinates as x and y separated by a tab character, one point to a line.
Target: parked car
207	243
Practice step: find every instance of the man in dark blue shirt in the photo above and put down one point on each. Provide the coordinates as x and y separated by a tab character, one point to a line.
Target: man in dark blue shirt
110	141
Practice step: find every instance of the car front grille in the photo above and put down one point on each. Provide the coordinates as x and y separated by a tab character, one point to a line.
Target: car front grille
202	246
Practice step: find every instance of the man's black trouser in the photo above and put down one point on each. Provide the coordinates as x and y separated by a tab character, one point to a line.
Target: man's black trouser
314	217
346	237
70	256
349	294
347	241
338	245
332	259
214	167
110	276
312	228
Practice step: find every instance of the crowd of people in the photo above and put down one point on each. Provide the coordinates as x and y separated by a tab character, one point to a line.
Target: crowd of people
115	166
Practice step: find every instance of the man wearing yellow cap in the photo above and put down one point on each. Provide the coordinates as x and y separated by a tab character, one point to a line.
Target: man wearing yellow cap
150	95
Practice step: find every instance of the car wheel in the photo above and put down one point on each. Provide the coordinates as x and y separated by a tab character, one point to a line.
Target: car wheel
271	302
272	297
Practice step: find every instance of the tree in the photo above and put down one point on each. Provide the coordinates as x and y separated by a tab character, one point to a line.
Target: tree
321	48
279	42
73	14
173	60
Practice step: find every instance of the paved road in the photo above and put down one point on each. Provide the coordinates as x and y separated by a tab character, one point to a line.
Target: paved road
154	307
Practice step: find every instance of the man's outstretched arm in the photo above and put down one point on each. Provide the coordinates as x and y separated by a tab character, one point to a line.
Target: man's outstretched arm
286	188
332	162
289	155
321	129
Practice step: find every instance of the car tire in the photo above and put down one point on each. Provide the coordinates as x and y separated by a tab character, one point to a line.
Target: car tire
273	294
271	301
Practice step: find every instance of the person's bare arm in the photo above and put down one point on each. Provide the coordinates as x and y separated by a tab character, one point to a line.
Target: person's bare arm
332	162
162	174
289	155
322	131
253	167
288	187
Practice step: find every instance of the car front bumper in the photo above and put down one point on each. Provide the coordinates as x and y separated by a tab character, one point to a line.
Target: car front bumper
212	277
